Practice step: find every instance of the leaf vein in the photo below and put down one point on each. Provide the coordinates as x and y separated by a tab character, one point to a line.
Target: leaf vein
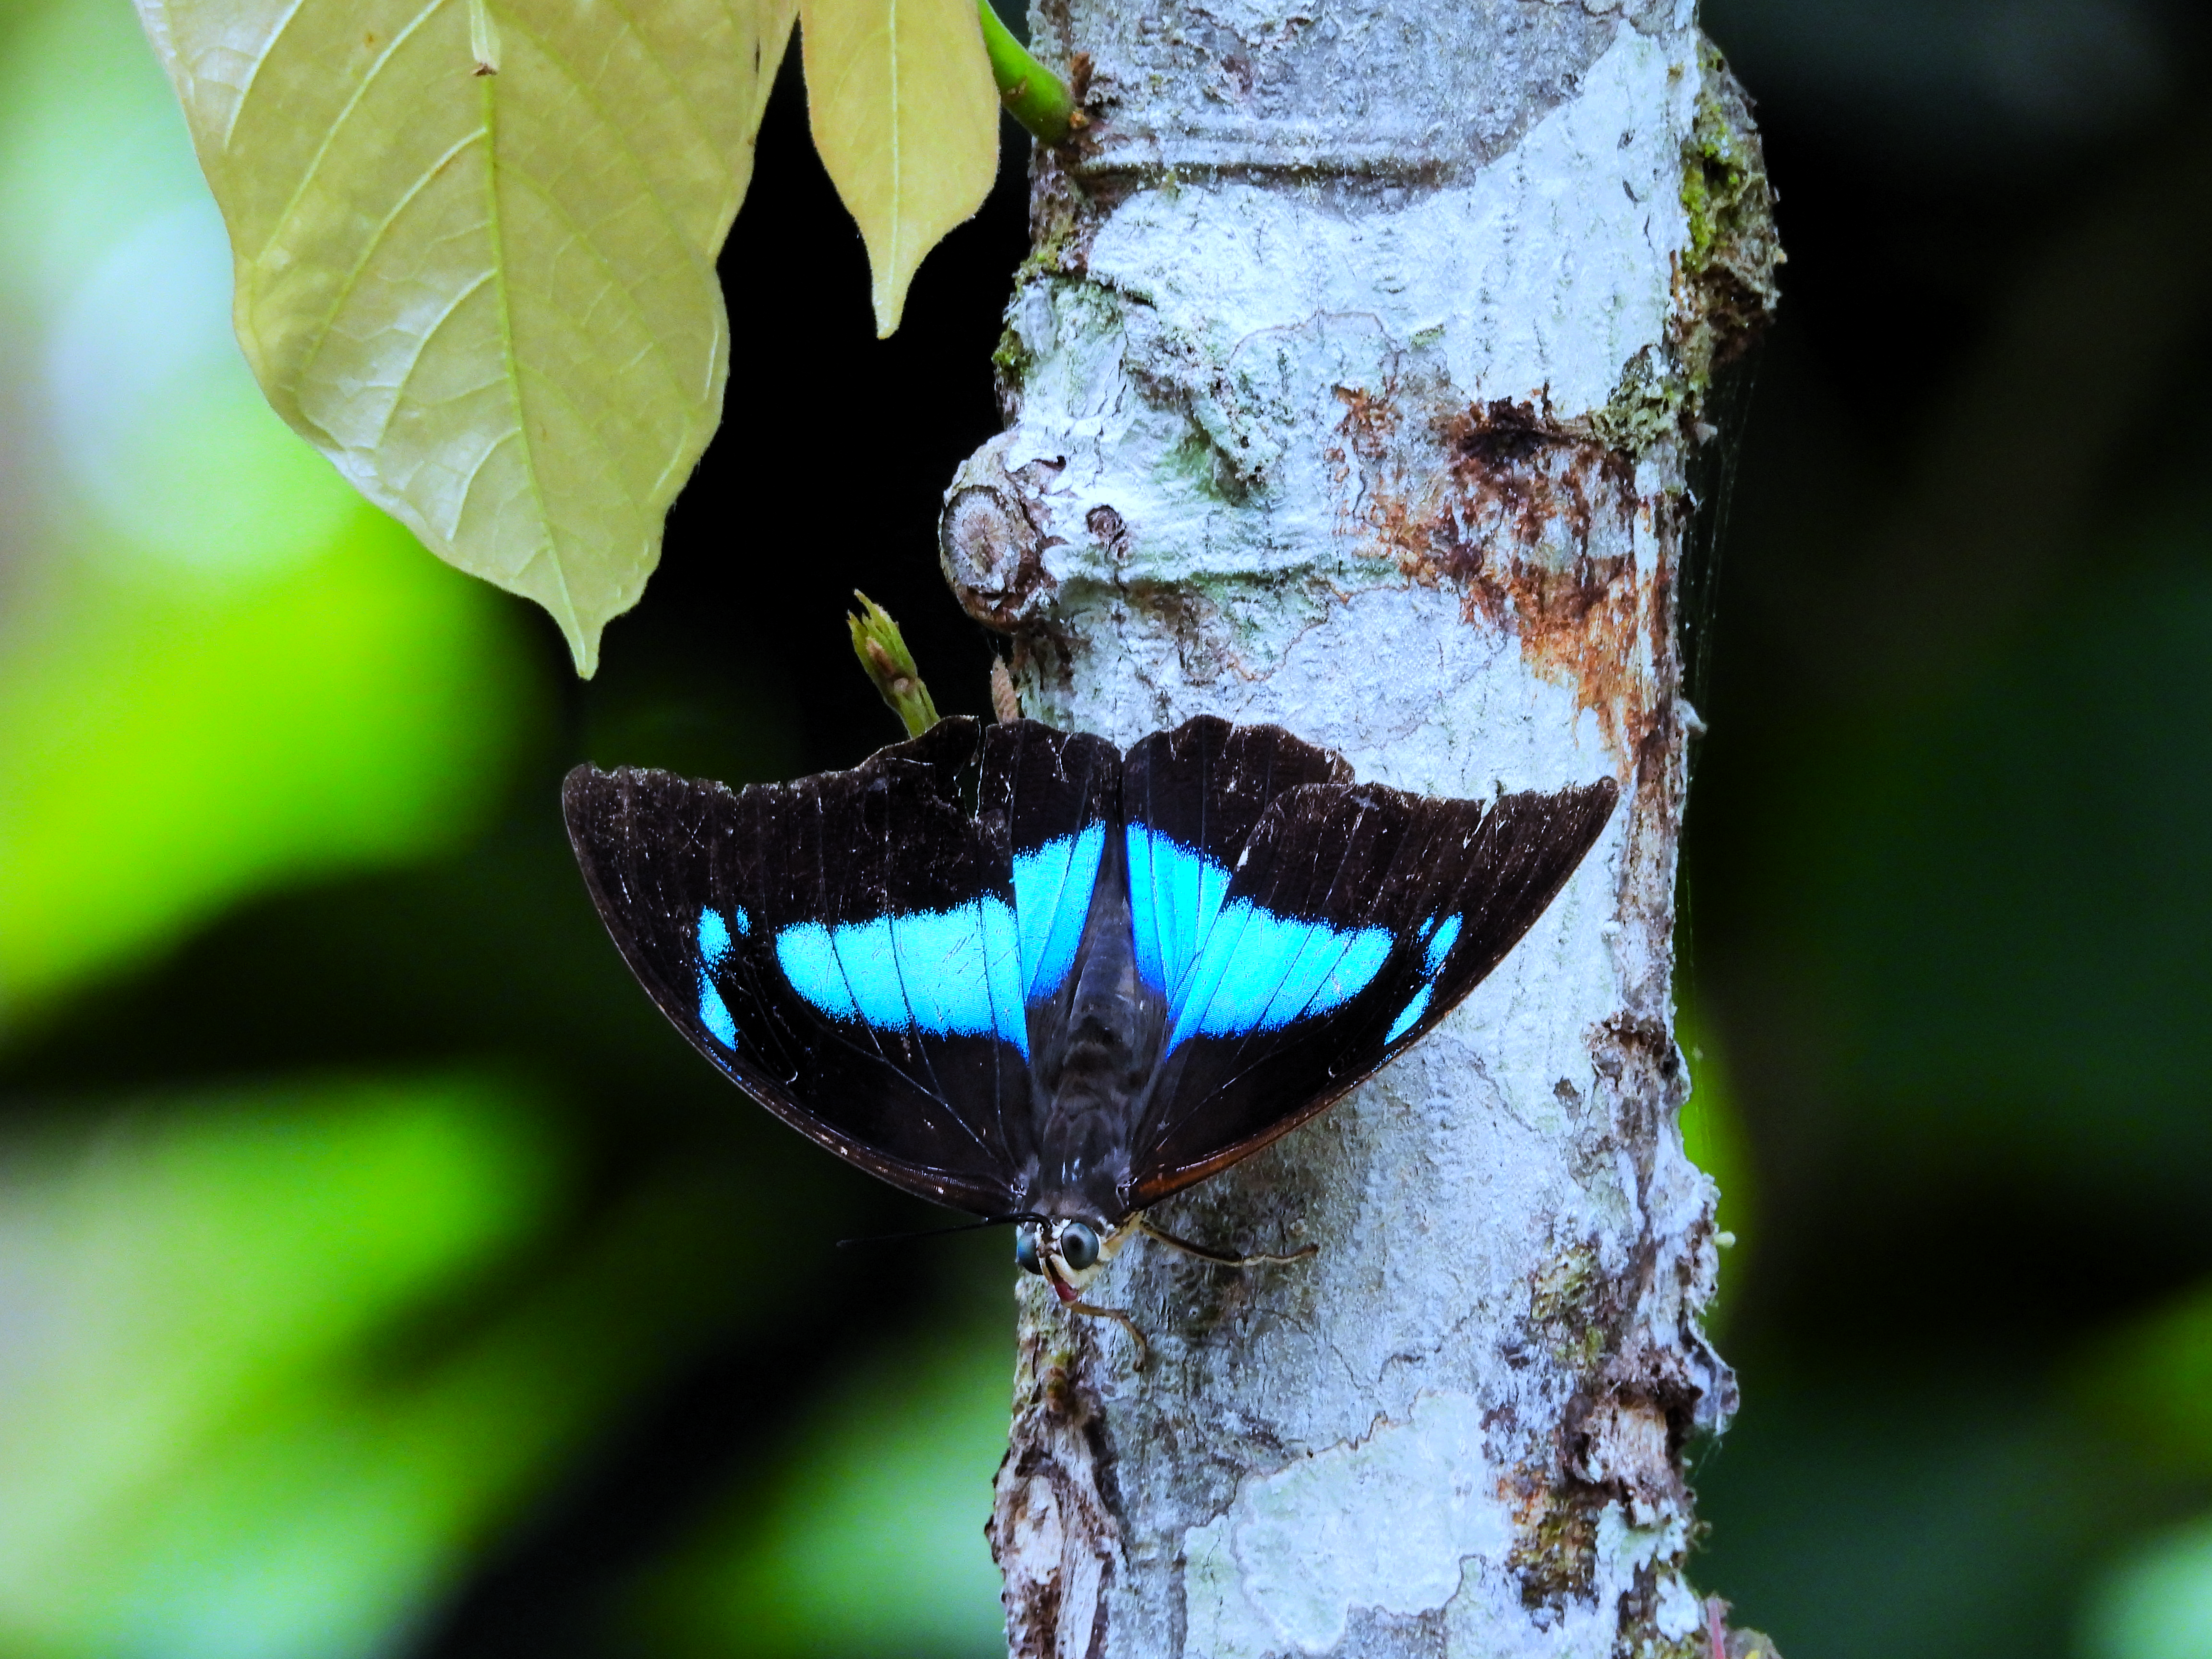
701	268
375	241
566	614
421	349
253	75
339	122
691	109
583	239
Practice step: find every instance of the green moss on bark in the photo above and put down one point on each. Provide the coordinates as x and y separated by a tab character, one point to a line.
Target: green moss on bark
1725	289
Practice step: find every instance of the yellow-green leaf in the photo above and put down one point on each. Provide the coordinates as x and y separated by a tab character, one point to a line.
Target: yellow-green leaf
905	115
488	297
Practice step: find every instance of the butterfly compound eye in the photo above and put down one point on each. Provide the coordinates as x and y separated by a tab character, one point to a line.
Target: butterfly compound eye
1025	1250
1078	1245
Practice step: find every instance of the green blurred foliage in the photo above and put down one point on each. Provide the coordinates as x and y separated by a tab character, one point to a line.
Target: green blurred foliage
218	668
1929	1509
2151	1383
240	1420
2013	905
277	1362
2157	1604
868	1536
1713	1137
2150	1386
204	1449
368	704
1949	841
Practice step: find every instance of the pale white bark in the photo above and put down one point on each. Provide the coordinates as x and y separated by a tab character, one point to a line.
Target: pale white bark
1351	389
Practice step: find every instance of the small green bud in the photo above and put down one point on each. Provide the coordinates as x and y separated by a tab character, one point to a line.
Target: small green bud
1033	95
882	651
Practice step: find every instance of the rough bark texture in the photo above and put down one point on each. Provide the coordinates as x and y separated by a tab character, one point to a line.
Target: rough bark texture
1351	386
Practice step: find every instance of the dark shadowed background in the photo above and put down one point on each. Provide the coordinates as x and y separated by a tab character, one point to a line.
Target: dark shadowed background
380	1276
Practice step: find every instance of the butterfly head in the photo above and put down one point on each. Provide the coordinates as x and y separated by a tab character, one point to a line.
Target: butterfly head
1065	1251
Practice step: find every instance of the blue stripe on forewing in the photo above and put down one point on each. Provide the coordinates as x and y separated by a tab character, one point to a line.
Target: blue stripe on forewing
1052	898
1230	970
954	972
1226	970
1259	971
964	971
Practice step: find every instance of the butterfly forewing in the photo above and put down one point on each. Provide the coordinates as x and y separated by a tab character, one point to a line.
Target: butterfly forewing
1528	847
844	947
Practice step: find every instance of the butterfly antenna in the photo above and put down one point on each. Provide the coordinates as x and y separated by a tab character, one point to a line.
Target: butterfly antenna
937	1232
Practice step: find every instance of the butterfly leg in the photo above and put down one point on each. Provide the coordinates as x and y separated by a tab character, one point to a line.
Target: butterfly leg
1144	1348
1262	1259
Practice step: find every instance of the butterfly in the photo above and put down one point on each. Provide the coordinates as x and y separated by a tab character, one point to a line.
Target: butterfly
1020	972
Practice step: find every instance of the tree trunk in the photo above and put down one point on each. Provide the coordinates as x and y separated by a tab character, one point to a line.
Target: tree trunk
1351	386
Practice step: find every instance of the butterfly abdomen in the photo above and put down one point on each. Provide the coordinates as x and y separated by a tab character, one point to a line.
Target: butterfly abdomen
1090	1089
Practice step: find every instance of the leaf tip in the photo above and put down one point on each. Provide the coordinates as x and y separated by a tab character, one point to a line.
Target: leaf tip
584	649
890	301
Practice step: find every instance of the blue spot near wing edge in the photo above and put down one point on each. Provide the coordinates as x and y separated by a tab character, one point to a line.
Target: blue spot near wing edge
714	947
1440	944
1409	1015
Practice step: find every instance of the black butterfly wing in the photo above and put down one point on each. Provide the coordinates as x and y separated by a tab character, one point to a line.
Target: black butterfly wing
844	947
1355	918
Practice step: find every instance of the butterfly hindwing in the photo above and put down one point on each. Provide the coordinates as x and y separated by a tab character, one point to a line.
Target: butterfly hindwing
845	947
1356	918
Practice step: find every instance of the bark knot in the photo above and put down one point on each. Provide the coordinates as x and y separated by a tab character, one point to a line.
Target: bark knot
989	541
